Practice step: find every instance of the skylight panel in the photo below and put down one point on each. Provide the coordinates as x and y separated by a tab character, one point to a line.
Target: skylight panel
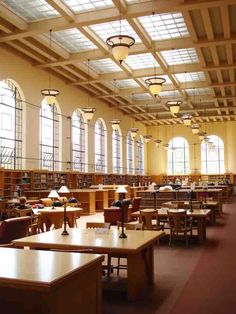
105	30
129	83
169	93
87	5
192	76
179	56
164	26
142	96
141	61
104	66
198	91
32	10
73	40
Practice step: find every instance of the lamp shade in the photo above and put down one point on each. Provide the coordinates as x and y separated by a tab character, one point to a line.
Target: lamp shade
115	124
155	84
201	135
120	45
147	138
187	118
63	189
174	105
53	194
50	95
88	112
195	128
133	132
121	189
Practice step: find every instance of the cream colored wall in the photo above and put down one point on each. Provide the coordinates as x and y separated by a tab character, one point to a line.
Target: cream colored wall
157	157
31	80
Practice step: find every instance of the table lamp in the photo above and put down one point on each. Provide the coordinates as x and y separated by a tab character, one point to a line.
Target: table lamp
53	195
64	189
121	191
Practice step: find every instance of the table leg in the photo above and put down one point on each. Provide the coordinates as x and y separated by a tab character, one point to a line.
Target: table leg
201	224
140	271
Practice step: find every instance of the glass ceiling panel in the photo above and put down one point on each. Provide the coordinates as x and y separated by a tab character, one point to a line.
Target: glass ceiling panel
164	26
192	76
103	66
32	10
198	91
179	56
105	30
73	40
141	61
129	83
141	96
86	5
169	93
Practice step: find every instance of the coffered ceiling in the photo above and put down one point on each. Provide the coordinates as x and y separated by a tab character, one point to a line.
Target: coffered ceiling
192	44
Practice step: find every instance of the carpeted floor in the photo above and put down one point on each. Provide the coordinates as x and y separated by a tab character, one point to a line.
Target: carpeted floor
199	279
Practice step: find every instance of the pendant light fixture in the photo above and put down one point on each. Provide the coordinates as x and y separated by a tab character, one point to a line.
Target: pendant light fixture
115	123
88	111
154	83
187	118
195	128
50	93
174	105
157	142
120	44
201	135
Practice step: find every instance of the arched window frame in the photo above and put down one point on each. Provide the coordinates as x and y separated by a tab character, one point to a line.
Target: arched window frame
11	98
178	157
130	153
100	143
79	141
117	151
212	159
140	156
49	146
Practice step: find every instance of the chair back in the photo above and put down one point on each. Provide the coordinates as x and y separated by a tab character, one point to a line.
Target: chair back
172	205
177	220
146	217
130	226
14	228
136	204
95	225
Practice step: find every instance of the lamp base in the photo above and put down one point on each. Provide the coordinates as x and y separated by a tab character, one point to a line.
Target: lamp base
65	232
123	235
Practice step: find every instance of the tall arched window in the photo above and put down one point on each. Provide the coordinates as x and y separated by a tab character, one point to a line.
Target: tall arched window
117	151
49	142
213	157
10	125
100	146
178	156
140	156
130	153
78	134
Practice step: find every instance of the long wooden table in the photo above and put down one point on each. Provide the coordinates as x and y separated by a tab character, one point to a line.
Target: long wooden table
46	282
49	216
138	247
198	214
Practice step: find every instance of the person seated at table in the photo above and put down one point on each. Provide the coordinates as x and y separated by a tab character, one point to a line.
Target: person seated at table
23	203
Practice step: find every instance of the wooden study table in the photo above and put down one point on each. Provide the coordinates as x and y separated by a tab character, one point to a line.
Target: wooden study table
49	216
198	214
138	247
46	282
212	205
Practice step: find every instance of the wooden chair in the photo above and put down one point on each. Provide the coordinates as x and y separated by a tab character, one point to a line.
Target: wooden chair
14	228
148	217
135	204
128	226
179	224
